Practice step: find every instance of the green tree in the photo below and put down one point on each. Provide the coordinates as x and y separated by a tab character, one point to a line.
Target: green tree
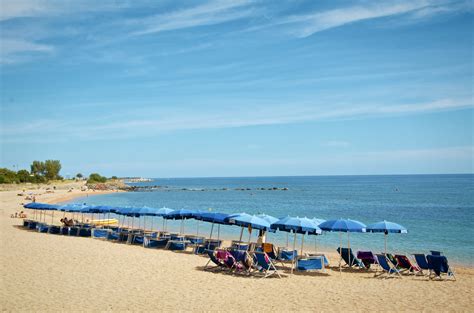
24	176
79	175
96	178
52	168
38	168
7	176
114	177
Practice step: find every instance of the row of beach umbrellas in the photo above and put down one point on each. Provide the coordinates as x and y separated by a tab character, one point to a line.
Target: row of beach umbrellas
263	222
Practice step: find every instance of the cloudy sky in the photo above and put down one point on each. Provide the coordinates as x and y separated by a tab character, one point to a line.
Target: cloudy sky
238	88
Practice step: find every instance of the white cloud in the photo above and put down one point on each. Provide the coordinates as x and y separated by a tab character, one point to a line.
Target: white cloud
304	25
11	49
22	8
152	122
211	13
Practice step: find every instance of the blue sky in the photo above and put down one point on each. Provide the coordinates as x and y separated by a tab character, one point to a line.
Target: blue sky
238	88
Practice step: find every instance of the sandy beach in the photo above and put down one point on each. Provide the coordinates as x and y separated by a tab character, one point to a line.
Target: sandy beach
42	272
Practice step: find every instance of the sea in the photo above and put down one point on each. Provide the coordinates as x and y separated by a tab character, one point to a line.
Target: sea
437	210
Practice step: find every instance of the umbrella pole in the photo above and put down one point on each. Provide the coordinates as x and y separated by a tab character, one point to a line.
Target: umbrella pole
287	238
302	243
294	256
241	233
52	217
210	237
340	249
385	235
250	235
151	227
349	248
218	232
315	244
197	232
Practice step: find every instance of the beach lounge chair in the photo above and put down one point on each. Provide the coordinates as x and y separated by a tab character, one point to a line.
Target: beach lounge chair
53	229
367	258
269	249
242	260
155	242
264	264
32	225
42	227
326	260
439	265
349	257
392	259
405	263
113	236
422	263
64	230
85	232
176	245
287	255
434	252
26	223
99	233
387	267
73	231
213	259
311	263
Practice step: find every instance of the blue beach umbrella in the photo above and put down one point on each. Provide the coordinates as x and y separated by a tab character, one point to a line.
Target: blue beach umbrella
43	207
386	227
300	225
74	208
181	214
214	218
344	225
268	218
247	220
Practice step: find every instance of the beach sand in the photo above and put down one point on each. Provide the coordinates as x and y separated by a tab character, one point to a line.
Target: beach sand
42	272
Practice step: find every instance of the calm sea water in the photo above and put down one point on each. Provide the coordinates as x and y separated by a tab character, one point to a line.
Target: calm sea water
437	210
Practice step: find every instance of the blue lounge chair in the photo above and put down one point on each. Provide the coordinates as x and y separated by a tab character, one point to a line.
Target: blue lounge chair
85	232
349	257
53	229
212	258
64	230
311	263
73	231
113	236
386	266
439	265
176	245
155	242
242	258
26	223
422	263
32	225
99	233
287	255
326	260
42	227
434	252
264	264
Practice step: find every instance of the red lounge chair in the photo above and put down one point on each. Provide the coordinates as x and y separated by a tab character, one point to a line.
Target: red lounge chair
404	263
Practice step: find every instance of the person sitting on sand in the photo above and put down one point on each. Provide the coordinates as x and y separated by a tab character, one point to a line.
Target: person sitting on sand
22	214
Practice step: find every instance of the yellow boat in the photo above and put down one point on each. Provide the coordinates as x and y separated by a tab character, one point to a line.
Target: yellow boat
110	221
